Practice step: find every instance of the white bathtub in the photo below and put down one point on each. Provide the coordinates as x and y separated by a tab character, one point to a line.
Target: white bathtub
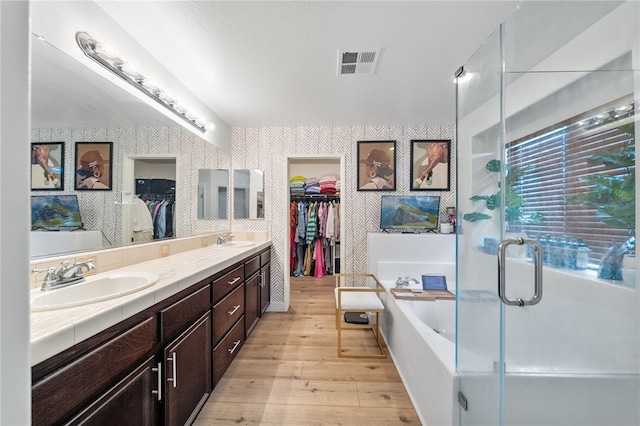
423	356
562	388
420	336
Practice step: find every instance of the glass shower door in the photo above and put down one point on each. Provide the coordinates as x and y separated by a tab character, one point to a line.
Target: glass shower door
479	313
535	115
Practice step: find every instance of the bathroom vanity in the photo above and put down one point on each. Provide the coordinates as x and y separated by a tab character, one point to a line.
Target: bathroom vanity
161	360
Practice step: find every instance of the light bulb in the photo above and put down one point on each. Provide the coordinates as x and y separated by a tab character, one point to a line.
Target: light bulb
106	50
191	115
179	108
150	85
166	98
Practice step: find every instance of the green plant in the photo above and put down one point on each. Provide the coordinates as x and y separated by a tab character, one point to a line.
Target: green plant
613	196
514	203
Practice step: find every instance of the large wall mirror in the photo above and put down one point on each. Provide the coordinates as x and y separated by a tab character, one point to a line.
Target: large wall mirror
248	194
71	103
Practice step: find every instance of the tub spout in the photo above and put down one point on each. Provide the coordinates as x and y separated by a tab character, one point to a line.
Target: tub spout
405	282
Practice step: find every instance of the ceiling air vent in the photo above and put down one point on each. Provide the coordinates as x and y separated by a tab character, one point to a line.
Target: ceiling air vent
362	62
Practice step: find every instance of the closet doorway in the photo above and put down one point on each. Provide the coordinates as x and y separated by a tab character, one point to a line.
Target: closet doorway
316	165
150	176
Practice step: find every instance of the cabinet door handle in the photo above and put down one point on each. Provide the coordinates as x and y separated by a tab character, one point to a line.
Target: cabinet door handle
262	279
233	311
235	346
233	281
159	391
174	360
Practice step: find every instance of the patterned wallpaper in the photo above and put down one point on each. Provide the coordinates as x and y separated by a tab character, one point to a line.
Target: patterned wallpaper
100	210
252	148
267	147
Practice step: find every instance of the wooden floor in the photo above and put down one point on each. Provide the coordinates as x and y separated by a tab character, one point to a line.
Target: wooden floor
288	373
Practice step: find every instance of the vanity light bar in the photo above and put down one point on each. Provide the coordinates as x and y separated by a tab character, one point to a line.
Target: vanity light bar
103	56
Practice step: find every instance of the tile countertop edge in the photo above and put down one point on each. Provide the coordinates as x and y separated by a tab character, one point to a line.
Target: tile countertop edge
177	272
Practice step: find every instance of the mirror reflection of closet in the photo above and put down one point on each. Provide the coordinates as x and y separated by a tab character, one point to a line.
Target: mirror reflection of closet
212	193
248	194
153	180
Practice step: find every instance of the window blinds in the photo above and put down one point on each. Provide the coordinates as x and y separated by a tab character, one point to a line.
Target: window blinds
556	159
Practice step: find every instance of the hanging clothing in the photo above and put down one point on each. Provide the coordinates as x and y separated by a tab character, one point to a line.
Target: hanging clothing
318	256
162	211
141	221
312	237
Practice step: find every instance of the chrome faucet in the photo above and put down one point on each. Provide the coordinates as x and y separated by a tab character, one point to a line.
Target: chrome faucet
67	275
404	282
222	238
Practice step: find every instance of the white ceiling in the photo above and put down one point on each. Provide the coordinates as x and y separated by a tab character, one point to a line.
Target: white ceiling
274	63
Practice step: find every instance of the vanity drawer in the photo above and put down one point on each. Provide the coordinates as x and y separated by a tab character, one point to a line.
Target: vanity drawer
265	257
185	312
227	350
223	285
251	266
59	394
227	312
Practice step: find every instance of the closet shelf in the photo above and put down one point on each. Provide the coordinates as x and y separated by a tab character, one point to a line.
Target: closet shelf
313	197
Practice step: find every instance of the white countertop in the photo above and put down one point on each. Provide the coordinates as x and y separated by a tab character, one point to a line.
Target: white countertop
54	331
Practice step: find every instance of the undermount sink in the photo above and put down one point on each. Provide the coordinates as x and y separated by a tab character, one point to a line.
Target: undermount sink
94	289
238	244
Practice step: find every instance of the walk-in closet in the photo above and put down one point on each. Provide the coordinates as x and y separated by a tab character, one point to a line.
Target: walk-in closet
316	210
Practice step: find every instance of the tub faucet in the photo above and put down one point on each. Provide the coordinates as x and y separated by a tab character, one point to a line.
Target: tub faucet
404	282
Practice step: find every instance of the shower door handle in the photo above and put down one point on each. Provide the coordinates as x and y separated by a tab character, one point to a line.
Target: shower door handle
537	266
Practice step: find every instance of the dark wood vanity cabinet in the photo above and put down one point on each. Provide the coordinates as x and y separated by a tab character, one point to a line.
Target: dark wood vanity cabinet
186	359
252	303
133	401
265	281
228	314
187	367
67	390
160	365
227	349
252	294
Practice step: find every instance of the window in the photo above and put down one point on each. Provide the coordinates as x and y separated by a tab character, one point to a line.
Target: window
568	166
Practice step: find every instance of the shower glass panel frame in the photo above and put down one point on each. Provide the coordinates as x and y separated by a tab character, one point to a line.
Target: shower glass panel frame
573	358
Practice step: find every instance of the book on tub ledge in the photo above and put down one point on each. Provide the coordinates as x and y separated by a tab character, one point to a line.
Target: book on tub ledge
434	287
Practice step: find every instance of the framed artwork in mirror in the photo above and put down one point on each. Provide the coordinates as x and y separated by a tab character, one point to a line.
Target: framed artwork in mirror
376	165
430	166
47	166
93	166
